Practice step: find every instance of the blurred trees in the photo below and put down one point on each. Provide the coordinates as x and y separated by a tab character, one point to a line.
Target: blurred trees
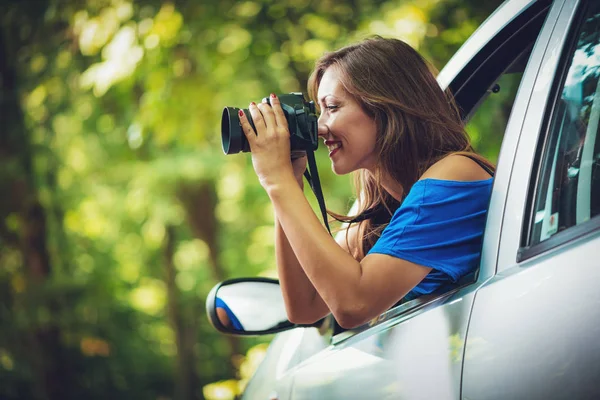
119	211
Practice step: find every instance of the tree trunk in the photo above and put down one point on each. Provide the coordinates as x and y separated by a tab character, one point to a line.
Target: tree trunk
42	344
184	328
200	203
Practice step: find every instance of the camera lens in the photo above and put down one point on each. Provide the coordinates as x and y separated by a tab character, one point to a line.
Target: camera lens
232	136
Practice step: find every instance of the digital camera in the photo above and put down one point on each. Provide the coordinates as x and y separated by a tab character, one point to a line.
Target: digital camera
299	113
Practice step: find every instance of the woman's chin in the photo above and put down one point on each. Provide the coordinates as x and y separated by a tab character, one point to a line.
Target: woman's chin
340	169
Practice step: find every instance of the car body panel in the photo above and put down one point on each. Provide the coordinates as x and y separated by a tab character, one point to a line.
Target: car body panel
529	338
285	352
395	359
537	318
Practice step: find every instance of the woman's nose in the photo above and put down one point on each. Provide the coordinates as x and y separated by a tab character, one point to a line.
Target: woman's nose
322	128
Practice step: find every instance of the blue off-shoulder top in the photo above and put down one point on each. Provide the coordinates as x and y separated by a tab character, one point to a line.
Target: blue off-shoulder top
439	225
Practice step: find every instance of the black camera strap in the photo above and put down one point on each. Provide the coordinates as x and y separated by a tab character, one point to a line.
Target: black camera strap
313	180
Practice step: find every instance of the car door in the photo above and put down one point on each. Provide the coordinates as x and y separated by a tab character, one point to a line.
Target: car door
535	325
422	341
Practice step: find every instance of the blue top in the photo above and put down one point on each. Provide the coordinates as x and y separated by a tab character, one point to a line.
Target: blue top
439	225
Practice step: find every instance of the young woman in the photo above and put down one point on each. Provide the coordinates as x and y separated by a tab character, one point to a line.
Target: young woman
423	192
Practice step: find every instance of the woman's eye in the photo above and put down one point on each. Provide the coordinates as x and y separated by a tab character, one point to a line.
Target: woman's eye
331	107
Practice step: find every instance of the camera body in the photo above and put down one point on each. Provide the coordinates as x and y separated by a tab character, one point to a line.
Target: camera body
299	113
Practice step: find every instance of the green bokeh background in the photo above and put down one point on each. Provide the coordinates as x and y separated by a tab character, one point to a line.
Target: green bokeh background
119	210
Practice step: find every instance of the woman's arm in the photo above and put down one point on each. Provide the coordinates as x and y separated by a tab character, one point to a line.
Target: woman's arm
354	292
302	302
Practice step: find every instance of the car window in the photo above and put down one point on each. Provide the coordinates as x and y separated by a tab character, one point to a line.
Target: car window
493	89
486	127
566	194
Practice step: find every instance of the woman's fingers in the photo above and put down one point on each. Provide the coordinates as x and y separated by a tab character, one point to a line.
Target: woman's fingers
268	117
247	128
269	120
278	111
258	119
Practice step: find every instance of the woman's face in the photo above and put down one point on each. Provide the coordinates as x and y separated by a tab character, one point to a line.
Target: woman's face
349	133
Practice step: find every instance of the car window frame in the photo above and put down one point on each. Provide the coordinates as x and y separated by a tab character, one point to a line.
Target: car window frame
573	233
528	132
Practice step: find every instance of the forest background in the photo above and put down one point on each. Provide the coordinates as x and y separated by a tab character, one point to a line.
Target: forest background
119	210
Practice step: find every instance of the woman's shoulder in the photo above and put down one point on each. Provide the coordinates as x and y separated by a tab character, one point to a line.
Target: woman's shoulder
456	168
455	182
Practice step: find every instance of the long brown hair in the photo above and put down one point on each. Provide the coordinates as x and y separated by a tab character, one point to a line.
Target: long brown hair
418	123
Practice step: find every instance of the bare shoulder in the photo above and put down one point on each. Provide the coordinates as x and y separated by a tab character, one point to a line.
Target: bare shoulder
456	167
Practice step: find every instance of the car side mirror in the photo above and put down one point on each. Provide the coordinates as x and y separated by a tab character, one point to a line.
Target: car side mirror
248	306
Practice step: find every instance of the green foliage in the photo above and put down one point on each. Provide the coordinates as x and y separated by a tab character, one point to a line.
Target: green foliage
114	133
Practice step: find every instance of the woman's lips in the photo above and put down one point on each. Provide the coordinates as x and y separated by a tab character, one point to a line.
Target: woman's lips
333	146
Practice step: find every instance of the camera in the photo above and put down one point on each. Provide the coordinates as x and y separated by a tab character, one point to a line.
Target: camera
299	113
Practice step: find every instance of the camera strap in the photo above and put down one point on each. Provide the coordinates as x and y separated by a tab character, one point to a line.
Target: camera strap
312	178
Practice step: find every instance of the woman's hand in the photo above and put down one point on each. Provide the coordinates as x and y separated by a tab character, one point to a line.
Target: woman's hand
270	144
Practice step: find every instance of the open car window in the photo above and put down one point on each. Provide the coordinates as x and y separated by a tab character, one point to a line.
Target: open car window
488	81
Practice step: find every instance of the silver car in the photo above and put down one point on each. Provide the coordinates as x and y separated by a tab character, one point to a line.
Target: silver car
527	324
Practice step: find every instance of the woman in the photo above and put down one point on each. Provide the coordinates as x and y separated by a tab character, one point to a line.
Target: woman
384	117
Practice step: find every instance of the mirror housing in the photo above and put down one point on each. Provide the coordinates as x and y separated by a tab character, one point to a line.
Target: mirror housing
249	307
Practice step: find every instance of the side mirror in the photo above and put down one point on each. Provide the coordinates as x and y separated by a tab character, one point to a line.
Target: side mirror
248	306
